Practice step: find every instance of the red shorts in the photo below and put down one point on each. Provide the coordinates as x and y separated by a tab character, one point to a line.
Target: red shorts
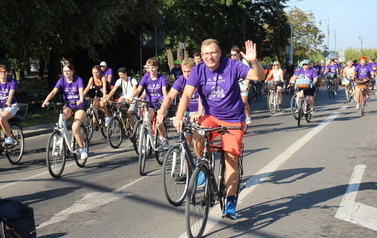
229	142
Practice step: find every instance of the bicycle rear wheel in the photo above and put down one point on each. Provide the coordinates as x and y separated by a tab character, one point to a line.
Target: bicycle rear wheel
197	203
294	107
175	175
56	154
15	151
77	156
143	147
115	132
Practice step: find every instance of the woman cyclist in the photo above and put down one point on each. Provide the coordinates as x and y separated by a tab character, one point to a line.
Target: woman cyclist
101	87
307	72
348	72
362	70
8	103
72	88
276	76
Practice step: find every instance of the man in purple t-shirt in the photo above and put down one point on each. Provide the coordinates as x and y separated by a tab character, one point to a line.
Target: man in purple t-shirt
332	71
107	73
216	80
364	72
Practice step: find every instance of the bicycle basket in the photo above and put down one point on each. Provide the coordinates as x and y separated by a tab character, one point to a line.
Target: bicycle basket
21	114
362	82
345	81
303	83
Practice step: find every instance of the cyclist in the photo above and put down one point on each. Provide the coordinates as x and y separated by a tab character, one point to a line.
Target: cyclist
332	70
101	88
176	71
8	102
306	72
194	109
107	73
243	83
128	86
216	80
72	88
197	58
155	90
348	72
362	70
276	77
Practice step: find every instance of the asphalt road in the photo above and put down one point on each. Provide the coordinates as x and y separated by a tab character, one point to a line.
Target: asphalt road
297	182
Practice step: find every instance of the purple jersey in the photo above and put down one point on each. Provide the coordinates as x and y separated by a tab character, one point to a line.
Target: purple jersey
363	71
109	71
332	68
372	65
310	73
176	72
10	84
318	68
219	90
153	88
179	85
70	91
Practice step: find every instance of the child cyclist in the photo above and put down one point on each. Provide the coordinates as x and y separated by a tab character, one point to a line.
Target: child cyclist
155	90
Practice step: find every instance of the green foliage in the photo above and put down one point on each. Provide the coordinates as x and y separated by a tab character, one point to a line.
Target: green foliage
355	54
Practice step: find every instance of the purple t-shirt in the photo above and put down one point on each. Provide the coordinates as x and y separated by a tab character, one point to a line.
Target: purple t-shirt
310	73
363	71
70	91
153	88
109	71
219	90
332	68
318	68
10	84
372	65
179	85
176	72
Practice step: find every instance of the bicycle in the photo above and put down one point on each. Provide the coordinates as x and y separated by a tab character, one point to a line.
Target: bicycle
119	126
95	119
177	168
149	139
200	197
351	90
362	84
15	151
272	98
300	106
255	92
329	85
60	146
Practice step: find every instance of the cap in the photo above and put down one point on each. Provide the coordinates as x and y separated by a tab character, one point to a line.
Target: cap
177	62
289	62
145	66
103	63
305	62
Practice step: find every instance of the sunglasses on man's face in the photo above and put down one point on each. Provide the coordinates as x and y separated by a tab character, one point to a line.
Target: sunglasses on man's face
304	64
233	55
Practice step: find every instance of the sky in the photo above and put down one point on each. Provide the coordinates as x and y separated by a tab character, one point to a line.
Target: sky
349	19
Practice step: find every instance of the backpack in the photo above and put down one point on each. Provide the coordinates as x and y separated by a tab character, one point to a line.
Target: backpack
16	220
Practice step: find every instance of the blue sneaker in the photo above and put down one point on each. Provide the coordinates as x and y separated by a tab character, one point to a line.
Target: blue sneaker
230	211
201	179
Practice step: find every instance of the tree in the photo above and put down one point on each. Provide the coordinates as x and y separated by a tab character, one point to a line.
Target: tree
307	38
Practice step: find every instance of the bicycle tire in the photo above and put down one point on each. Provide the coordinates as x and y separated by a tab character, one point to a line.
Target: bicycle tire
143	147
197	204
330	90
349	96
308	115
362	103
258	94
56	154
294	107
174	167
15	151
272	104
81	162
160	152
136	134
115	132
300	112
88	123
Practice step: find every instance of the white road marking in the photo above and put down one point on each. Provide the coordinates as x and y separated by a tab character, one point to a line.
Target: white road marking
253	182
355	212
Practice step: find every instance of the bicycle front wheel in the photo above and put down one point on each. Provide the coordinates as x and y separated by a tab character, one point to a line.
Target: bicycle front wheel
56	154
308	115
136	134
160	152
300	111
272	102
143	147
115	132
88	123
15	151
197	203
175	175
76	155
362	102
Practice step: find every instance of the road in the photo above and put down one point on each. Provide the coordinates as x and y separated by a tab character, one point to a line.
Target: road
313	180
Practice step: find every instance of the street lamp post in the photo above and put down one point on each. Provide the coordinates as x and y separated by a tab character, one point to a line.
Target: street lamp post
334	31
360	38
328	31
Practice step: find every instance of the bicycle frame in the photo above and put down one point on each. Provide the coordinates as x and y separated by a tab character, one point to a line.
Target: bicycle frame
148	126
62	127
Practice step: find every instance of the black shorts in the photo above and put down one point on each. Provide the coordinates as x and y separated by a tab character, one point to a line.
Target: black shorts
309	91
84	107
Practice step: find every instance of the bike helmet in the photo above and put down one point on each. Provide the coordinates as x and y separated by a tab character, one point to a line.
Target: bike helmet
177	62
305	62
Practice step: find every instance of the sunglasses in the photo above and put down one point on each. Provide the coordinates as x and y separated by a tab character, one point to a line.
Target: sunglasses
275	65
304	64
233	54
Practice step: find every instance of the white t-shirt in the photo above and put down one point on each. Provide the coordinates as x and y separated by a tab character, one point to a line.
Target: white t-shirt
127	86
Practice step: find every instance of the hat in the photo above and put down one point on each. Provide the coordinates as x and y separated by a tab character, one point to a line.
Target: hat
177	62
103	63
289	62
145	66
